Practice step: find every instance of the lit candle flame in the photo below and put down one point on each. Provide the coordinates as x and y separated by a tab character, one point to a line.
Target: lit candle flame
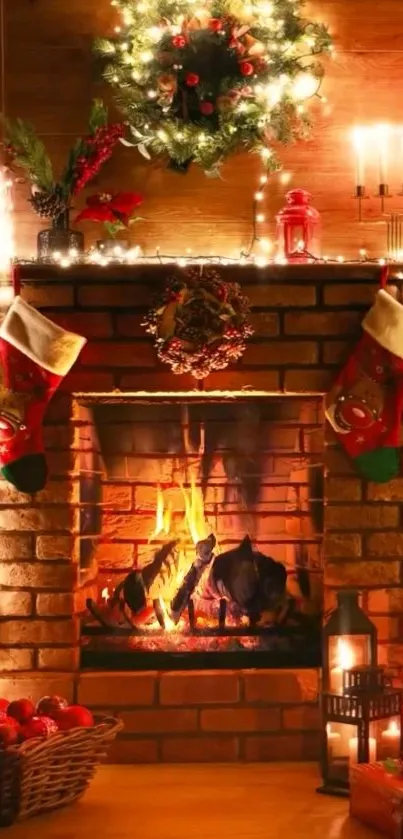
393	728
345	655
105	594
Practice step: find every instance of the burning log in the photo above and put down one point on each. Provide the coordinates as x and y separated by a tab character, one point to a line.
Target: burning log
132	593
191	614
99	615
247	579
137	584
204	551
222	613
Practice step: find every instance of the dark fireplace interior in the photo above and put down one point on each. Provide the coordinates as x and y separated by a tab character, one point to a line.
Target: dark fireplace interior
201	527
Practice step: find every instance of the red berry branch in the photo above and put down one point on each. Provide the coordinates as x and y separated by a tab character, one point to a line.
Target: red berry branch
98	149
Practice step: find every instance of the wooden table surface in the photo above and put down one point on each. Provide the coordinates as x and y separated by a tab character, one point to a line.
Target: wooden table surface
277	801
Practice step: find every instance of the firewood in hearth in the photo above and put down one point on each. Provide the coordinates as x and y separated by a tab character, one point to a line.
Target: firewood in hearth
204	552
247	579
135	588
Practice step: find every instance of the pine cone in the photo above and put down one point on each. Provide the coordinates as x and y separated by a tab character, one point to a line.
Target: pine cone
47	204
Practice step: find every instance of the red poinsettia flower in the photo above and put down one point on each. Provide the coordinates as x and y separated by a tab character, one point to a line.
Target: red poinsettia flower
104	207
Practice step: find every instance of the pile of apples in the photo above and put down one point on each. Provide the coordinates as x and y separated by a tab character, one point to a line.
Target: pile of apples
21	720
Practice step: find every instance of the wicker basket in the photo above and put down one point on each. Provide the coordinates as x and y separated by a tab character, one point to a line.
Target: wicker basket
41	774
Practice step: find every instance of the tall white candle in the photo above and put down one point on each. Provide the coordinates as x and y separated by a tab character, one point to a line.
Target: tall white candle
382	134
391	738
359	155
334	741
353	750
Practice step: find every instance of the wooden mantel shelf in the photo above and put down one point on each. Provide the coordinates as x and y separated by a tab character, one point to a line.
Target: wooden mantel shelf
138	272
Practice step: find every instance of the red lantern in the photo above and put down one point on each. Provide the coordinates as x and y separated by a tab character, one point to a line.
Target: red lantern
298	228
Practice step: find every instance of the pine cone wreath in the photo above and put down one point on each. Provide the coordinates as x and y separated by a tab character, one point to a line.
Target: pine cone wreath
47	204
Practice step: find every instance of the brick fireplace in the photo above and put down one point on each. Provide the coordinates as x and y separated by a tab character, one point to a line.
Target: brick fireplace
81	536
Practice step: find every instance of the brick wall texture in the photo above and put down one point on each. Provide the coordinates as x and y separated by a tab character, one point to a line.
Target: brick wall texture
307	319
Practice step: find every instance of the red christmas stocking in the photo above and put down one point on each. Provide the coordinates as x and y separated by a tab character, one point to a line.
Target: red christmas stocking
35	356
365	404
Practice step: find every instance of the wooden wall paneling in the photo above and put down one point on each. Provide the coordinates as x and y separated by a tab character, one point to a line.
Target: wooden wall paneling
50	79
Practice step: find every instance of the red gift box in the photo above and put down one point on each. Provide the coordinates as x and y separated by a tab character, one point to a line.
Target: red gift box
376	798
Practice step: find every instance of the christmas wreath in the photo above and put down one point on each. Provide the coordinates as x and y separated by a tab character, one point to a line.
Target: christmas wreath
197	83
200	323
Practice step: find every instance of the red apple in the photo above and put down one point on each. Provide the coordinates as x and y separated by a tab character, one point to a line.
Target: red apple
22	710
4	703
8	736
10	721
75	716
39	727
49	706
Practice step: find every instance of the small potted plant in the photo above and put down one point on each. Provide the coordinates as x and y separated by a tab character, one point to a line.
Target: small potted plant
51	198
115	212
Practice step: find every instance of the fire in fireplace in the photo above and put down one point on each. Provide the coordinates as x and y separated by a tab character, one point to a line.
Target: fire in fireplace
201	530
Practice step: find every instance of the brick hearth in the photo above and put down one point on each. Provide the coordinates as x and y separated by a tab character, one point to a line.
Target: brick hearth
306	320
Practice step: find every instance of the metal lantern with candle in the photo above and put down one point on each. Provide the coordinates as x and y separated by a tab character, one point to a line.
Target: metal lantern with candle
298	227
362	725
349	640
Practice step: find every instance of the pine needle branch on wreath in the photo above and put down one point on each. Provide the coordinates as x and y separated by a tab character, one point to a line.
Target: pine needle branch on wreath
198	84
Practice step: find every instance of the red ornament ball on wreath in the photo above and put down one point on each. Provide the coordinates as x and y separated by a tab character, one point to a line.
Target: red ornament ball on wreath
192	79
39	727
179	42
246	68
215	24
206	108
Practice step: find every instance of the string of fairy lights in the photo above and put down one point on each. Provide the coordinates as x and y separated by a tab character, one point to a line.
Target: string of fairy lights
304	86
134	256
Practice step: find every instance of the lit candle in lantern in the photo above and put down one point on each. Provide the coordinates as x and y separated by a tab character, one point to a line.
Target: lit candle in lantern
359	155
105	595
334	740
344	661
353	750
382	141
391	737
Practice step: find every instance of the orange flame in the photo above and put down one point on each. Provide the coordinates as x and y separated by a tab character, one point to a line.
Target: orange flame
345	654
194	512
169	625
163	516
186	528
193	520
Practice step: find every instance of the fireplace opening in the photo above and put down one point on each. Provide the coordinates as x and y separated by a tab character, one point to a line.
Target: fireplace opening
201	530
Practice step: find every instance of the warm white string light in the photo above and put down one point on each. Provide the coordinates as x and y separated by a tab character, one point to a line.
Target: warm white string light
134	257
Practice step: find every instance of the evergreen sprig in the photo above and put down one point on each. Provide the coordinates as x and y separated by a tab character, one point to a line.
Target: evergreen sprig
50	197
148	68
29	152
